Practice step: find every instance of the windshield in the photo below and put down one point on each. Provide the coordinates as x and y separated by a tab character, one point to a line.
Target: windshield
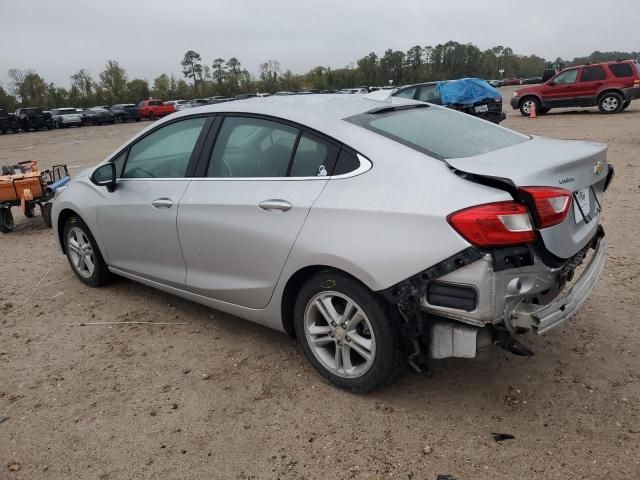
439	132
155	102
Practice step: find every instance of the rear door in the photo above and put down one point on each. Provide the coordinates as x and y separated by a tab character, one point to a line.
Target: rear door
237	224
592	79
137	221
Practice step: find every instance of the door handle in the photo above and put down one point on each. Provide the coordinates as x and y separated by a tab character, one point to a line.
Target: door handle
162	203
275	204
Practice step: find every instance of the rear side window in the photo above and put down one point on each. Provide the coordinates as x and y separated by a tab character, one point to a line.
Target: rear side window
621	70
347	162
406	93
252	147
313	158
439	132
428	93
592	74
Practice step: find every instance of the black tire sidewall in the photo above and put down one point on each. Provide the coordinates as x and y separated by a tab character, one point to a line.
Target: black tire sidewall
610	94
6	220
101	274
388	350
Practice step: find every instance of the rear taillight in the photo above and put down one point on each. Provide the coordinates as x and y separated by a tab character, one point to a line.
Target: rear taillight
551	204
636	82
494	224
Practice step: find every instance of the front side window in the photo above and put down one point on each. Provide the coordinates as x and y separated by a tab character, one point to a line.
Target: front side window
252	147
439	132
566	77
164	153
592	74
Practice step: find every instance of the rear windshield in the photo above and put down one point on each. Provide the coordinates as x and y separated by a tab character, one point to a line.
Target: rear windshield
439	132
155	102
65	111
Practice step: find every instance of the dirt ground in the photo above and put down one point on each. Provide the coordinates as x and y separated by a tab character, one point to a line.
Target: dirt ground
221	398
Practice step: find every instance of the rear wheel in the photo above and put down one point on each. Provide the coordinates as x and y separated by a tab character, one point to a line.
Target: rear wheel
346	332
6	220
83	254
527	104
610	102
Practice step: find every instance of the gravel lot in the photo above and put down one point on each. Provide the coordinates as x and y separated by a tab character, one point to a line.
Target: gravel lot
222	398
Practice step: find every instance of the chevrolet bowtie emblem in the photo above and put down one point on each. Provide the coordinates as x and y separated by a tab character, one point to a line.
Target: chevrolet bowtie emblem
598	168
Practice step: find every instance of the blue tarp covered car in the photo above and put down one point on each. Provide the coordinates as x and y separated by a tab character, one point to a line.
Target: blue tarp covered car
470	95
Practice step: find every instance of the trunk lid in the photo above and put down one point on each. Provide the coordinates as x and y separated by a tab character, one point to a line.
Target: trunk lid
577	166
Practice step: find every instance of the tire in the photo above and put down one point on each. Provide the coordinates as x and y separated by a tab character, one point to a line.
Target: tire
610	102
526	103
81	250
378	335
138	119
29	211
45	211
6	220
4	130
153	117
625	105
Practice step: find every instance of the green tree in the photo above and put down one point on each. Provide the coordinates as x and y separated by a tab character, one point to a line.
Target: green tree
83	81
137	90
162	87
219	71
114	81
192	67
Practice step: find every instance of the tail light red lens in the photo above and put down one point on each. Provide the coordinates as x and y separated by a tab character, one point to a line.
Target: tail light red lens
551	204
494	224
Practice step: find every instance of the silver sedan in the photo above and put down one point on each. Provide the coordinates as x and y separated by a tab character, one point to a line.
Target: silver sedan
379	231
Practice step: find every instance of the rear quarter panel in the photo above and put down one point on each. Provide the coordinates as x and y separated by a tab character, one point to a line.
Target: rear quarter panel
388	223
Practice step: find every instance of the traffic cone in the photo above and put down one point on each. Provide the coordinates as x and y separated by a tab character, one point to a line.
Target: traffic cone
532	112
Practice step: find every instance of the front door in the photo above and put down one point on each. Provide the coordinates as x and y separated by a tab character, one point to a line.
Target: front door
238	225
138	220
561	91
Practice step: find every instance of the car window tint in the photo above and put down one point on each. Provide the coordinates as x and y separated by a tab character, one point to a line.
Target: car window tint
566	77
313	158
439	132
252	147
406	93
592	74
621	69
427	93
165	153
347	162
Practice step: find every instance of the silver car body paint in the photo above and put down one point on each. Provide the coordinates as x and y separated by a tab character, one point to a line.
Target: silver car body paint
381	224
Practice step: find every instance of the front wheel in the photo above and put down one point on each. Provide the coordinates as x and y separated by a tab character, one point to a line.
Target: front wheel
610	102
84	255
625	105
347	332
6	220
527	104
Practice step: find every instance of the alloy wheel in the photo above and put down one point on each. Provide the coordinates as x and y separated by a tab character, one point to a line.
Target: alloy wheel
81	252
339	334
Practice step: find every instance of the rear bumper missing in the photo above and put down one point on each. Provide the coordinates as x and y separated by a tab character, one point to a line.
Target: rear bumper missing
542	319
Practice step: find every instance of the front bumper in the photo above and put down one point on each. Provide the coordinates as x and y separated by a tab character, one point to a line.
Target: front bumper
631	93
515	103
549	316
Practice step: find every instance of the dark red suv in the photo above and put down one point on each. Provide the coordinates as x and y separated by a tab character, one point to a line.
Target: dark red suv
610	85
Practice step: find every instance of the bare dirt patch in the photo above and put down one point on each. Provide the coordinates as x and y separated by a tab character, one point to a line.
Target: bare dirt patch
223	398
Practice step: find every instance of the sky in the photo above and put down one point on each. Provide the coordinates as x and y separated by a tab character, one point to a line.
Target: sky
149	37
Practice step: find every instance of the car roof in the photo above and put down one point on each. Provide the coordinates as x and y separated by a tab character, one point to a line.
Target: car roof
302	108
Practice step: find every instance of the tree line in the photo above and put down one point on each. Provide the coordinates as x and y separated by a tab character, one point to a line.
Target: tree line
228	77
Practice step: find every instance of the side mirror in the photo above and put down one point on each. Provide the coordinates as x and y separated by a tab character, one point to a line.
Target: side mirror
105	176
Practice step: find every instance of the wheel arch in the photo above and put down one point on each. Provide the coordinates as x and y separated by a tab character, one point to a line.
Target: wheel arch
293	286
610	90
63	217
531	95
